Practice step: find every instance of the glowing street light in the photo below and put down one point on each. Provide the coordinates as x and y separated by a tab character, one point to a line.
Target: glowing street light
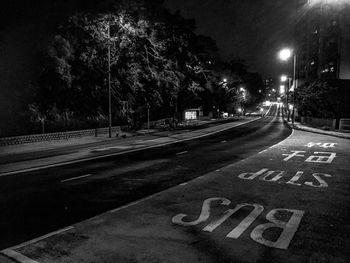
285	54
283	78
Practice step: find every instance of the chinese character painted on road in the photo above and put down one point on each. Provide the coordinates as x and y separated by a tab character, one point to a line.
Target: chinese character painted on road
327	158
320	144
293	154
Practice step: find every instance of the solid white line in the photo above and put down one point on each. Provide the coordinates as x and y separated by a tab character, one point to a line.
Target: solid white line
121	153
17	256
42	237
134	203
75	178
182	152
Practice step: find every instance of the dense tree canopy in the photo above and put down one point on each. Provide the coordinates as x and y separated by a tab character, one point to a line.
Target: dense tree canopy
156	60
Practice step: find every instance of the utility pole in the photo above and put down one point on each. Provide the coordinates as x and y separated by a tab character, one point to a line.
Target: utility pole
109	83
294	85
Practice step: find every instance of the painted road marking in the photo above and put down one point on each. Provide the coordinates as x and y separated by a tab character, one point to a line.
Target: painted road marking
321	159
17	256
120	147
289	227
180	153
11	253
327	157
76	178
204	215
293	154
320	144
274	176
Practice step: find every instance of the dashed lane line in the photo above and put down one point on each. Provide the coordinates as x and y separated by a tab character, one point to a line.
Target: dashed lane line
75	178
180	153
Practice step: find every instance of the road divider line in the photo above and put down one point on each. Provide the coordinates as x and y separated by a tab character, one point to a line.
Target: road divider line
17	256
53	165
40	238
180	153
75	178
272	146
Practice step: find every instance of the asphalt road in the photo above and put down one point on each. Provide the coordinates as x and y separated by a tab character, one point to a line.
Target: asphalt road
35	203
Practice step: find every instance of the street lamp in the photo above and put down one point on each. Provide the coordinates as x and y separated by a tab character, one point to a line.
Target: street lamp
109	82
284	55
283	78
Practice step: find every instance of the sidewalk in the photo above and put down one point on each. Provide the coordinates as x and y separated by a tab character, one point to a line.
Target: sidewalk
48	154
299	126
285	204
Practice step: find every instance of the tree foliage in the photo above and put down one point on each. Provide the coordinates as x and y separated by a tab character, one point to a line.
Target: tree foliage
156	60
324	99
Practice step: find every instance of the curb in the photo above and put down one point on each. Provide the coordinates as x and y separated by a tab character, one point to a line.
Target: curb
295	127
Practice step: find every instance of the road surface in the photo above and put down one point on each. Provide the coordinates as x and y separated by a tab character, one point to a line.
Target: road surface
38	202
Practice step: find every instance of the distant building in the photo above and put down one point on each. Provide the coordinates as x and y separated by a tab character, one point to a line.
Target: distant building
323	40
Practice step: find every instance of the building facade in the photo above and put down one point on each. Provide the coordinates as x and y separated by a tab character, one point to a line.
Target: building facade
322	36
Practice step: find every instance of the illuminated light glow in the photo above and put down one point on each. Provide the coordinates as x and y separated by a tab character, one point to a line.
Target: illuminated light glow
312	2
239	110
283	78
285	54
267	103
282	89
290	106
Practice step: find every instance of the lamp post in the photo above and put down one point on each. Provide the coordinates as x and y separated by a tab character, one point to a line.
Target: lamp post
284	55
109	83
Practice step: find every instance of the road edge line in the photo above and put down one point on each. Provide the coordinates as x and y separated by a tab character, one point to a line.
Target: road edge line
18	257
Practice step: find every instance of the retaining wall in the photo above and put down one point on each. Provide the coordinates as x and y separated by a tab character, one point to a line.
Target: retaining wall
318	122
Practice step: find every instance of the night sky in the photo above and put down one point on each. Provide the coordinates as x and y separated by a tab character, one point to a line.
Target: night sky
253	30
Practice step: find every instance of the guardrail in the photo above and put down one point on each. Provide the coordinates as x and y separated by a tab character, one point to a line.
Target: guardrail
344	125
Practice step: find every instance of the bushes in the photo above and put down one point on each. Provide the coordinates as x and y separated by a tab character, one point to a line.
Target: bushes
324	99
